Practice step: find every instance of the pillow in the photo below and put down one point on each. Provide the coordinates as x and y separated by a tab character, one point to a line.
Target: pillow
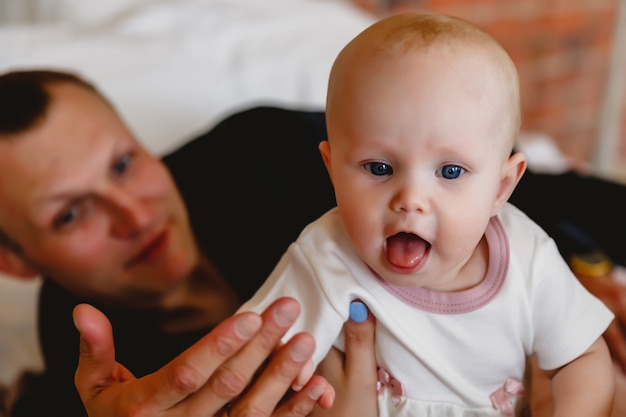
83	12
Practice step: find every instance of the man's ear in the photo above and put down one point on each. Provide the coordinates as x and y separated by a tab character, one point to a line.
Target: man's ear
13	264
512	172
325	151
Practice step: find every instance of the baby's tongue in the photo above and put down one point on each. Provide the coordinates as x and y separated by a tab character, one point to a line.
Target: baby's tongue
405	250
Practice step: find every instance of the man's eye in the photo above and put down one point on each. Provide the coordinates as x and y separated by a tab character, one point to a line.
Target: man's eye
66	217
378	168
121	165
451	172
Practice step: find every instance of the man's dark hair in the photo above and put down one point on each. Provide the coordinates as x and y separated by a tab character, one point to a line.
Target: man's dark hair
24	97
24	100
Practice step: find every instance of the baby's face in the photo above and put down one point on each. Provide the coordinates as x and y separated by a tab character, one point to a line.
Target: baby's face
418	147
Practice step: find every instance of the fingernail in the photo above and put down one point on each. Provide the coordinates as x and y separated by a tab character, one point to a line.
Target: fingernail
248	326
286	314
358	312
316	392
300	351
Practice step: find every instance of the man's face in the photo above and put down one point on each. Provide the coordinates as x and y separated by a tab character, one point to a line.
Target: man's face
90	207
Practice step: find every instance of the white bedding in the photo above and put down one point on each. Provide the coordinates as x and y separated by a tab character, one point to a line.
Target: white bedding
173	68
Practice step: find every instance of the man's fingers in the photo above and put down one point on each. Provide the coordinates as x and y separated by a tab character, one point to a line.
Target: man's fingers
232	377
95	333
301	404
190	371
303	377
276	378
96	363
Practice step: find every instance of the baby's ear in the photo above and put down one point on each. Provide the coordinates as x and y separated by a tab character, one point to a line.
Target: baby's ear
512	172
14	265
324	148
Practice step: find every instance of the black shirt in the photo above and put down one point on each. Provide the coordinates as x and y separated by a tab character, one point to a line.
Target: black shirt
582	213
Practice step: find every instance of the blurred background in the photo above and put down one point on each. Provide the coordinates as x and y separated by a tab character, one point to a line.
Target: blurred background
571	57
175	67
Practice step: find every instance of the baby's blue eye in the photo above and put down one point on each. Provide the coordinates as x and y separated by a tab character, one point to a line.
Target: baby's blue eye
378	168
451	172
121	165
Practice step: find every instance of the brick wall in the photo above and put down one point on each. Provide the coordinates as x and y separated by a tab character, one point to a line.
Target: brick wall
561	49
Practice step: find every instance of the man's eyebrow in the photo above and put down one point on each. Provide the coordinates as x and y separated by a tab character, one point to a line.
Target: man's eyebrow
59	196
46	206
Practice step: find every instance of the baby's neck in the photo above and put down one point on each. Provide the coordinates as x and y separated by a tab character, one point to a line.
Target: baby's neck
474	270
468	274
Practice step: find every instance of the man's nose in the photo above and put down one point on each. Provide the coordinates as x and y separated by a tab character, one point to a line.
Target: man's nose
129	214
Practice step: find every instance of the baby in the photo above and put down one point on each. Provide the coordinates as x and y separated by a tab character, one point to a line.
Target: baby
422	115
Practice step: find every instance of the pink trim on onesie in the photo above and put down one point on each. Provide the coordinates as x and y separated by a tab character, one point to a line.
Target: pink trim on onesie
473	298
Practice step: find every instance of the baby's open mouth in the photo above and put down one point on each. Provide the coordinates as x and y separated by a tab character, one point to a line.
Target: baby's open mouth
406	250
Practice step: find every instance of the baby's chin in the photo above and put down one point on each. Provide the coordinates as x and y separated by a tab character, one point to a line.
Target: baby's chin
404	280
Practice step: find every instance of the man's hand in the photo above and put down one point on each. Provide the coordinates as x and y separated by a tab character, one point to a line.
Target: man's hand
353	374
219	372
613	294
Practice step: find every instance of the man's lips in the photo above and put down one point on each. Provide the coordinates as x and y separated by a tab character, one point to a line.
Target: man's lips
151	250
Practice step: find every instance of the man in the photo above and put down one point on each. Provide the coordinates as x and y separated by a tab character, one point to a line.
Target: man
166	249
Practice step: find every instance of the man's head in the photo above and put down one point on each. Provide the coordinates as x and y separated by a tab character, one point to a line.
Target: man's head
81	201
23	103
422	113
25	98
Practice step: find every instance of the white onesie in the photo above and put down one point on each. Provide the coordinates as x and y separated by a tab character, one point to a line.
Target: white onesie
444	353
